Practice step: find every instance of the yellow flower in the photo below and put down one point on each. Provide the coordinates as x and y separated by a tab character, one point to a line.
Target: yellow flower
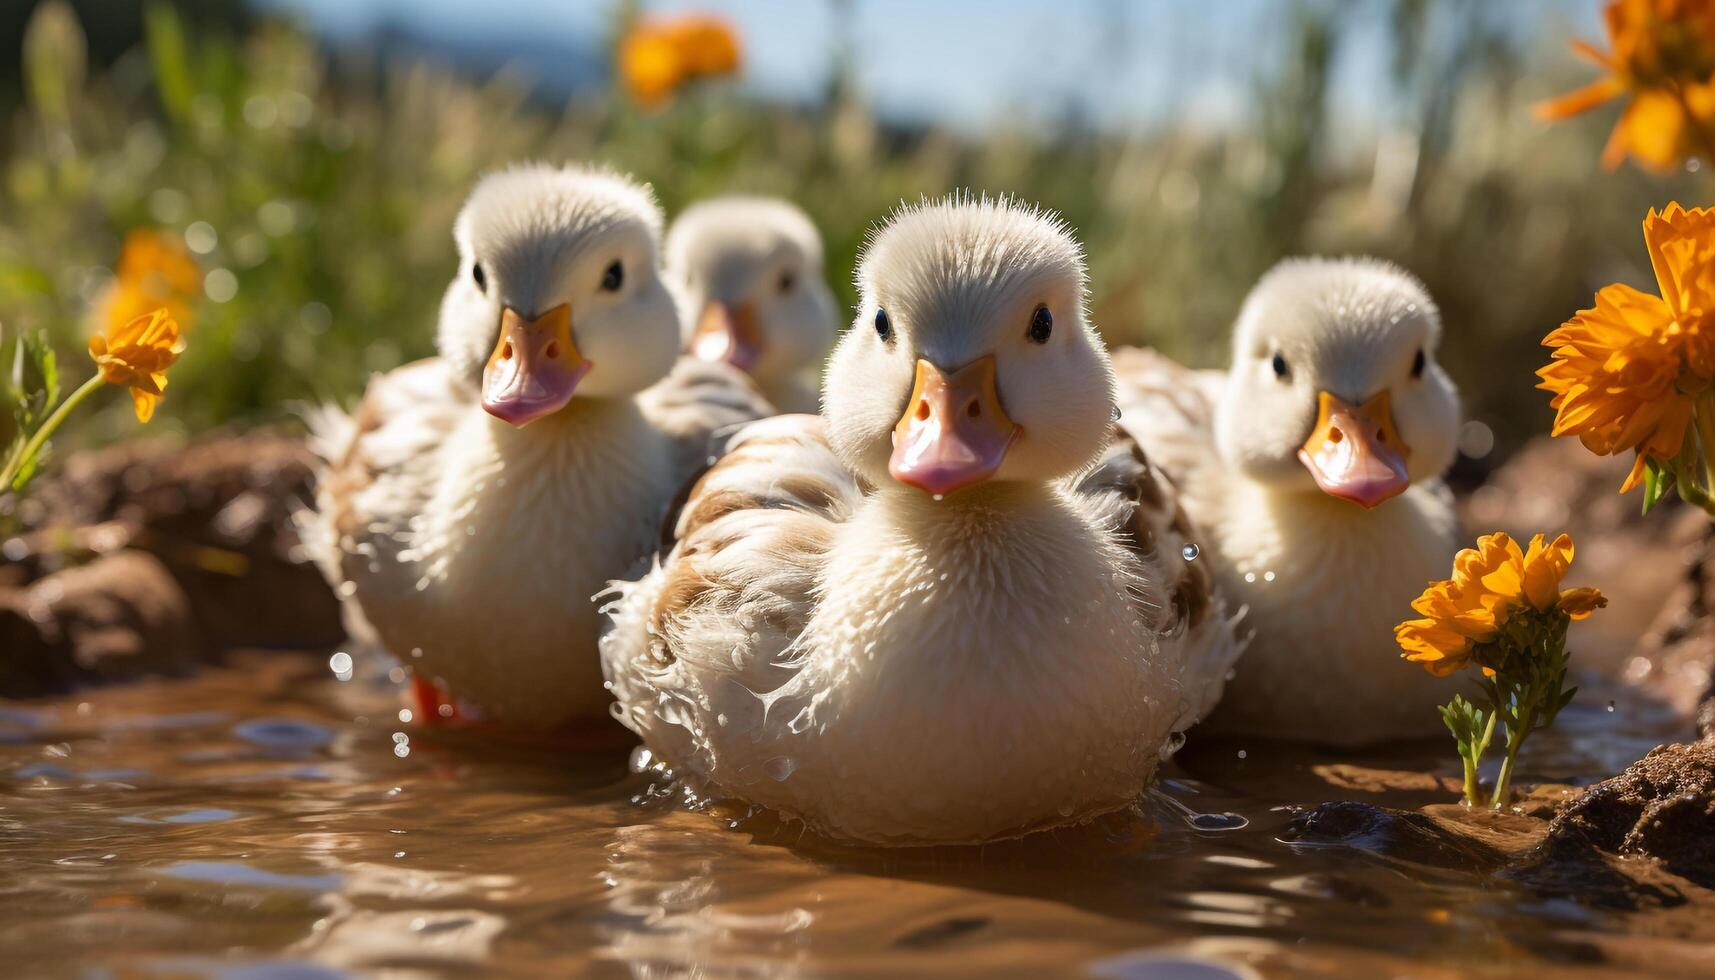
1490	583
154	271
1663	54
1624	372
138	354
657	57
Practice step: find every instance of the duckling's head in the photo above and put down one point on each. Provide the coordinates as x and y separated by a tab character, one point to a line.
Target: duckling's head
558	293
751	272
972	359
1334	385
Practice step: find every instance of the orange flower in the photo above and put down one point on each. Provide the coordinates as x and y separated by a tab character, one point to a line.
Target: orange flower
1663	53
138	354
1491	583
657	57
1624	373
154	271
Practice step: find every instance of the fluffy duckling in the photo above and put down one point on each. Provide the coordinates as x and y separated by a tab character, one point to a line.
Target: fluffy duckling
909	621
475	502
1313	467
750	273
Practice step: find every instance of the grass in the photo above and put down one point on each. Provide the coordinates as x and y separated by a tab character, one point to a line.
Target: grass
330	184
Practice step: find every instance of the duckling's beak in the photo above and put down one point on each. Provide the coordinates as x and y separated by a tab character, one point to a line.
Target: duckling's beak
535	366
729	333
1355	452
954	432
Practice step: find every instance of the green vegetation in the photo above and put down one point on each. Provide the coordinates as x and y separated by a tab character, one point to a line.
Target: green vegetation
320	189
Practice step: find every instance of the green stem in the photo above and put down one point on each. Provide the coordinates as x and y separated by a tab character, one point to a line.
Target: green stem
1689	491
1474	761
1703	414
1503	783
42	434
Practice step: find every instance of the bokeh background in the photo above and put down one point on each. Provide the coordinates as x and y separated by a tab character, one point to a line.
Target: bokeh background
311	155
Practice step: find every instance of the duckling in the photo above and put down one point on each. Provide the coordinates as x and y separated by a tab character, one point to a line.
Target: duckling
1313	467
749	270
949	610
475	502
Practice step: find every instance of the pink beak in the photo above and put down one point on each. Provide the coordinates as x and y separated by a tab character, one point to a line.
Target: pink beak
729	334
954	432
535	366
1355	453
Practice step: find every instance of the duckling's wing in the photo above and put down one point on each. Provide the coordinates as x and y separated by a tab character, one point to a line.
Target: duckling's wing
1169	409
1176	595
377	467
697	401
707	634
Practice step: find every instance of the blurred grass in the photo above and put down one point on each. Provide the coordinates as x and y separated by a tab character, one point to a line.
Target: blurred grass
320	188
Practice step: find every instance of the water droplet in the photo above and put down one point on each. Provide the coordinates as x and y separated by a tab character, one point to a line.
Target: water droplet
1242	753
937	497
1114	414
1250	576
1268	576
1217	821
641	759
1610	706
340	664
1190	552
405	716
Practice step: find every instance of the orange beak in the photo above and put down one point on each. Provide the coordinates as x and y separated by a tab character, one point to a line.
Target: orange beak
954	432
1355	453
730	334
535	366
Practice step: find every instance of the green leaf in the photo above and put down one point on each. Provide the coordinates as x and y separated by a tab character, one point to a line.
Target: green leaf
1654	486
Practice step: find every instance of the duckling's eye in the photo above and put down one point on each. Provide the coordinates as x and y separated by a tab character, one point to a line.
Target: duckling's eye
787	281
480	277
883	326
1281	371
613	278
1417	364
1041	325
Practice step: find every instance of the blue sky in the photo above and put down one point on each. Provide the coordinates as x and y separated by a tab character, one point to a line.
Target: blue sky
971	62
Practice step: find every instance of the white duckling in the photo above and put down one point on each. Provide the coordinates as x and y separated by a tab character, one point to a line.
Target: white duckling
750	273
475	502
1313	468
902	622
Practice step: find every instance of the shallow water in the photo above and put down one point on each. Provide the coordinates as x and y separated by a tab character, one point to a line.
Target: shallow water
270	820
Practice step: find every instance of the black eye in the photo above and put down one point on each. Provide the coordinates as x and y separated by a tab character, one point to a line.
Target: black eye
787	281
883	326
1417	364
480	277
1281	371
613	278
1041	325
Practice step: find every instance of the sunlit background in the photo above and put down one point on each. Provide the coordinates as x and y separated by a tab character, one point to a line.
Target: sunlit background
311	154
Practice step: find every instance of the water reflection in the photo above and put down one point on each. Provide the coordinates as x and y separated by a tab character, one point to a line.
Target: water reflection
270	811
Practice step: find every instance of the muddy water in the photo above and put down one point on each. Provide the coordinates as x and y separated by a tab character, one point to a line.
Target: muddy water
271	820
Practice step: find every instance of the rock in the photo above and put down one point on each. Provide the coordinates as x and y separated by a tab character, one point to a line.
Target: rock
1394	834
118	617
33	663
1569	866
218	513
1662	806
